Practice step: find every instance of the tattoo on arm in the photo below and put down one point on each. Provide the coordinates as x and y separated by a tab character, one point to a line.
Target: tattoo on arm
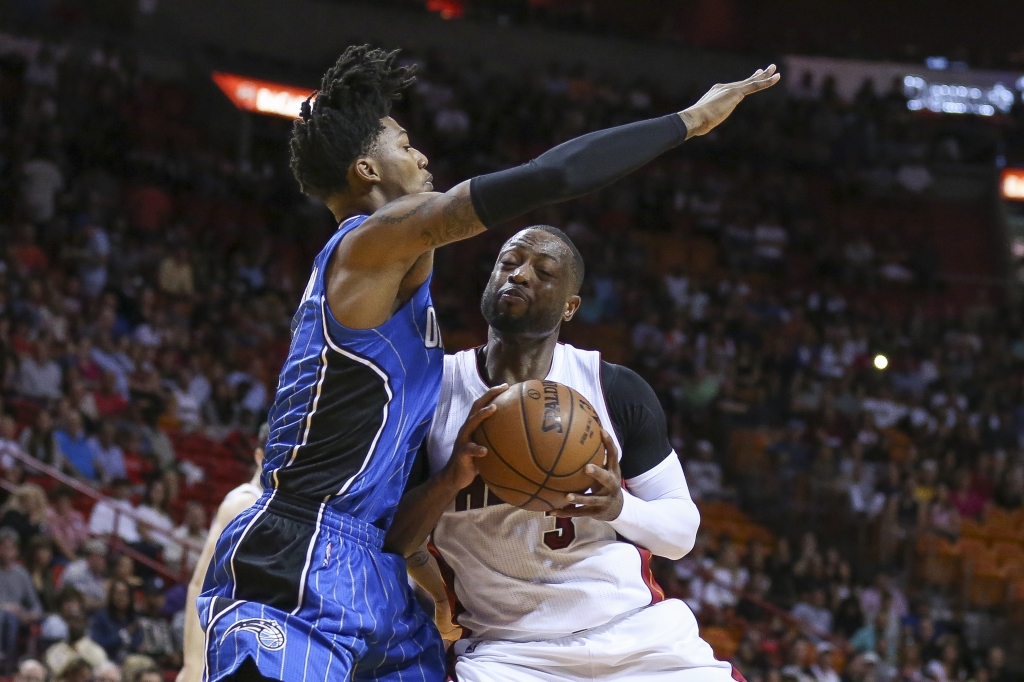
417	559
396	219
458	221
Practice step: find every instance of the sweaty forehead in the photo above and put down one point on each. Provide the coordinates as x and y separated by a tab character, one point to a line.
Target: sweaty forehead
538	242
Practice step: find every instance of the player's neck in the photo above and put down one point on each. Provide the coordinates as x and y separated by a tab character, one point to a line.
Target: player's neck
514	358
344	205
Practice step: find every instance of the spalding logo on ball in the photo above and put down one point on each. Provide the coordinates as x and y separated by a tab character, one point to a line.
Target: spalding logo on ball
538	442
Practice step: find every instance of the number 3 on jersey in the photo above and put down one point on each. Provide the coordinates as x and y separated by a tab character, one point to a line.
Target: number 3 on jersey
562	535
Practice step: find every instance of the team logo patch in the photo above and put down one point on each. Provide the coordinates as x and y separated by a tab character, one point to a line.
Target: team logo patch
268	633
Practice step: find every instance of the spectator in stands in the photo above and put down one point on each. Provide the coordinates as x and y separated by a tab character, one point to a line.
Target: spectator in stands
88	574
193	530
65	524
116	627
41	180
175	277
31	670
813	612
155	524
823	670
75	670
40	568
25	513
117	509
107	672
995	665
19	604
158	640
704	474
124	569
40	376
943	516
77	643
10	448
106	455
149	675
38	440
74	449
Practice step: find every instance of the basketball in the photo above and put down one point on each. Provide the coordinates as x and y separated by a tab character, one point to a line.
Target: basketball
538	442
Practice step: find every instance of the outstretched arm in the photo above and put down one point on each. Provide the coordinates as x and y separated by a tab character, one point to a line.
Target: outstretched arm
415	224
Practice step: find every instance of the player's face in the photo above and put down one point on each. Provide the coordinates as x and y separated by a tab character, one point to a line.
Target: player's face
531	287
402	168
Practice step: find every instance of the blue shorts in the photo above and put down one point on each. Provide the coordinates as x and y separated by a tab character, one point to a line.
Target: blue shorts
307	594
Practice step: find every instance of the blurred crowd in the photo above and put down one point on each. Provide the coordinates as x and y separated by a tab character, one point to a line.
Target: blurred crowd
148	276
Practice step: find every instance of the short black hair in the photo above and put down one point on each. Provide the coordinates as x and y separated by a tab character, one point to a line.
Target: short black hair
344	119
577	258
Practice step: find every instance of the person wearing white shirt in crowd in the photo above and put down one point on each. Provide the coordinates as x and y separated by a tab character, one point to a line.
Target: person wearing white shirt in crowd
42	180
822	668
107	456
704	474
88	575
813	612
39	375
155	524
105	514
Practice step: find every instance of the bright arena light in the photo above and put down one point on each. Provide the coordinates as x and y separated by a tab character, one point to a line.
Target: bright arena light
881	362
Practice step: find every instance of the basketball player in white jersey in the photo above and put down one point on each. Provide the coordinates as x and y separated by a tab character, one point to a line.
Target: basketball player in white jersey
233	504
565	595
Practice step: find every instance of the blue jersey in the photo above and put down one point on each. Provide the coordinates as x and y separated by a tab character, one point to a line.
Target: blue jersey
353	405
299	587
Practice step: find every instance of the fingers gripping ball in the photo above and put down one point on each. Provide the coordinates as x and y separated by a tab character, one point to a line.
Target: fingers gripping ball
539	440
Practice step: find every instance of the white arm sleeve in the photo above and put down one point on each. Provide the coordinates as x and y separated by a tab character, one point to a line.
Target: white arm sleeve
657	512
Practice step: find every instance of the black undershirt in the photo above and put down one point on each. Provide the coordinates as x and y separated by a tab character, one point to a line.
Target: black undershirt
637	418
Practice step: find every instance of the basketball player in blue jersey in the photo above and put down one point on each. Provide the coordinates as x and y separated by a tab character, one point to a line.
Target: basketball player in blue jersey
300	587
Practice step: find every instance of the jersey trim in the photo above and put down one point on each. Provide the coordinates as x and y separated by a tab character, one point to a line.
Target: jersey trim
647	575
387	389
309	558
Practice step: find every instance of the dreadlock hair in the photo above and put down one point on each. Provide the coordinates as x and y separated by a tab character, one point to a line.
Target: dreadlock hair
344	120
576	266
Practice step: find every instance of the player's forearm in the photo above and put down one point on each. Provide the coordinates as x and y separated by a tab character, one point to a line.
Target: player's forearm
574	168
423	569
418	513
667	527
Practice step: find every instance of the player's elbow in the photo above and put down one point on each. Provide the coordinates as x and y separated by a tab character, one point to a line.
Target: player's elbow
689	522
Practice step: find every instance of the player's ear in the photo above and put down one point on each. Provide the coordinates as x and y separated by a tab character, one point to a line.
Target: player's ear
257	456
364	173
572	304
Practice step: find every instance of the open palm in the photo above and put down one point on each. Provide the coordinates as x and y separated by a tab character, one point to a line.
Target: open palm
718	102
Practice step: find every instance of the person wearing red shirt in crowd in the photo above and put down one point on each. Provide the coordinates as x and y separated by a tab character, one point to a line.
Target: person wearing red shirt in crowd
28	257
965	498
109	403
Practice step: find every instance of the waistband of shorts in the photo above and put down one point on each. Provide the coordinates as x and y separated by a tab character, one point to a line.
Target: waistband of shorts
314	513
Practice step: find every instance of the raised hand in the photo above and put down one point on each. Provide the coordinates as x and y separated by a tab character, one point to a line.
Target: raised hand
604	502
718	102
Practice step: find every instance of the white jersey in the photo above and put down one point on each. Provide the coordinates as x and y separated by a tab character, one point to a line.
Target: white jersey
523	575
244	489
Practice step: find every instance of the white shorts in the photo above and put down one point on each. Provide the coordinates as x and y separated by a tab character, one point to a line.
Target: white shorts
657	643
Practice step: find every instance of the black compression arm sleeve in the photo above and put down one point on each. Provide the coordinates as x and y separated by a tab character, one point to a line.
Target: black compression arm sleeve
638	419
574	168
